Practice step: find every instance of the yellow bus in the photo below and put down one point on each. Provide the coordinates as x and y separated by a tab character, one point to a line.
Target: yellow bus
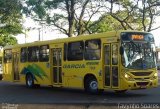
118	61
158	58
1	55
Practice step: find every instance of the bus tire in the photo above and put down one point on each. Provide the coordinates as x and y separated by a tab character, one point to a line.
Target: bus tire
29	81
91	85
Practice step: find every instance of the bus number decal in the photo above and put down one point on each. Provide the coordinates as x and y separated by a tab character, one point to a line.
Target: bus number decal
92	63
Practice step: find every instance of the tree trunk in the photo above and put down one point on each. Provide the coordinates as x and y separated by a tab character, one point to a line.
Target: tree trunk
71	19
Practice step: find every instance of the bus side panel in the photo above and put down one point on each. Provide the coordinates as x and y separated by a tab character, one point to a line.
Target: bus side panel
40	71
44	71
73	80
74	73
7	72
22	76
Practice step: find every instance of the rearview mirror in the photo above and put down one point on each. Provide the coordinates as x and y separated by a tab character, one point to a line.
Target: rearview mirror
121	50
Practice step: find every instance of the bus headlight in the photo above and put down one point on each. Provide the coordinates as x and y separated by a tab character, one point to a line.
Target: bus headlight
128	77
155	75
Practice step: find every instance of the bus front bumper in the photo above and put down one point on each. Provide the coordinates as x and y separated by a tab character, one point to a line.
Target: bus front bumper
133	85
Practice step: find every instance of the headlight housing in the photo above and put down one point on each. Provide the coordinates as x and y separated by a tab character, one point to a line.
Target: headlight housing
128	77
155	74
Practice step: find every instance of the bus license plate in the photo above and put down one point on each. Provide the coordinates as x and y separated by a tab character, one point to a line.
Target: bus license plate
142	87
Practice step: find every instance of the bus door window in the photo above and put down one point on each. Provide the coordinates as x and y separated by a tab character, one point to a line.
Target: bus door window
107	64
7	56
107	55
114	65
57	68
55	60
59	52
114	54
15	63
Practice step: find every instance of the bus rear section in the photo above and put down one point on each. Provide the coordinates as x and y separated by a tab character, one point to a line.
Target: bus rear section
1	56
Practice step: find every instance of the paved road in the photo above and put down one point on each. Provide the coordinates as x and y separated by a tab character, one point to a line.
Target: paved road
17	93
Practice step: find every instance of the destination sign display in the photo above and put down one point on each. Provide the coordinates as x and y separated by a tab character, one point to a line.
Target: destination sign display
137	36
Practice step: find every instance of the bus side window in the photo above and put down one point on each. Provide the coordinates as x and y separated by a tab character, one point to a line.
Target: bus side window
33	54
75	51
44	53
93	49
24	52
7	56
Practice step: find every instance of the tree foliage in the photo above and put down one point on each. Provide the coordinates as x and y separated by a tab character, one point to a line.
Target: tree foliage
105	23
76	17
7	40
10	21
69	16
137	14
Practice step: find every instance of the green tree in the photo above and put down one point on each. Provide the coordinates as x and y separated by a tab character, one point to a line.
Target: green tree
10	21
128	14
68	16
137	14
75	17
7	40
105	23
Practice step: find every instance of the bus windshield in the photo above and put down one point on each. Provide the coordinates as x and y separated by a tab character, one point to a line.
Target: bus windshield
138	54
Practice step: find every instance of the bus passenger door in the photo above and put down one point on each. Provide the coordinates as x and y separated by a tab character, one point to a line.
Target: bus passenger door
57	65
15	69
111	76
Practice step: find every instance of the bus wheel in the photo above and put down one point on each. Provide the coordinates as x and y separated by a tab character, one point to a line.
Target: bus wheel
120	91
91	85
29	81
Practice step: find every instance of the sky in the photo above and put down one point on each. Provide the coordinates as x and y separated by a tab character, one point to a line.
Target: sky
48	34
156	32
33	33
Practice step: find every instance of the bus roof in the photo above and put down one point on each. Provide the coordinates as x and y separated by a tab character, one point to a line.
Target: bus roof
70	39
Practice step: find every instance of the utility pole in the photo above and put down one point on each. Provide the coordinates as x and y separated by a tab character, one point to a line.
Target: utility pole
26	30
42	28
